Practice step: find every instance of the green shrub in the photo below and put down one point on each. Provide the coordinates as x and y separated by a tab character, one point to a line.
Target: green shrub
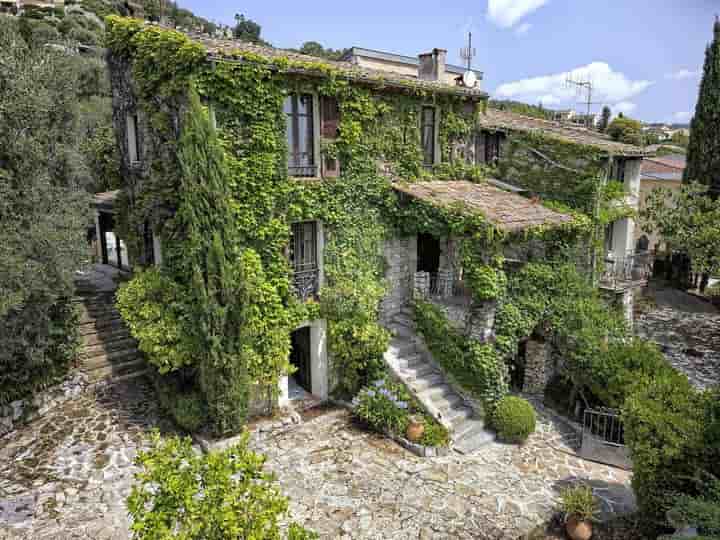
150	305
514	419
221	495
579	502
385	406
475	366
665	423
435	433
189	411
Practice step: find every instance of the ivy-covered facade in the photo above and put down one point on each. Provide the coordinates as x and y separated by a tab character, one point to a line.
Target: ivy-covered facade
279	210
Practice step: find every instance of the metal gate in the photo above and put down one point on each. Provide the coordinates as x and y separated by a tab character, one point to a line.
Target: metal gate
603	438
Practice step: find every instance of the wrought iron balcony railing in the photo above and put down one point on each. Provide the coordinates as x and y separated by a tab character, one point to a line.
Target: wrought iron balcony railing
633	269
306	281
442	285
309	171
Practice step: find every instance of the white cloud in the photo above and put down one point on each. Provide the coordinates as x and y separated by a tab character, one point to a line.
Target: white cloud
548	100
625	107
523	29
682	117
609	86
681	74
505	13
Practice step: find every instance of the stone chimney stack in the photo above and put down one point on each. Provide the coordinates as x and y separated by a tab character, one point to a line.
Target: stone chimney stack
432	65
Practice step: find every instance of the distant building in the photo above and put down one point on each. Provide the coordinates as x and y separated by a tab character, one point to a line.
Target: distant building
406	65
657	172
571	117
16	6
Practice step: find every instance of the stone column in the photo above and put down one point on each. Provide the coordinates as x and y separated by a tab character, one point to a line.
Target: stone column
538	369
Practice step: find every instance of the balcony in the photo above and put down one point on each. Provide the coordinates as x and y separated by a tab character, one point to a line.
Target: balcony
306	281
627	272
442	287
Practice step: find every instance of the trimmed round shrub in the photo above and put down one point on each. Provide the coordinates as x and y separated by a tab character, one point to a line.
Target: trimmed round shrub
189	411
514	419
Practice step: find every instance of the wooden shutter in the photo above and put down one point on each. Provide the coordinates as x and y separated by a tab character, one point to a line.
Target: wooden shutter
330	117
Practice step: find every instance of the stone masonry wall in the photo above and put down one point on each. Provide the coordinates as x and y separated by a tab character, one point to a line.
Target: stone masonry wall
538	367
401	258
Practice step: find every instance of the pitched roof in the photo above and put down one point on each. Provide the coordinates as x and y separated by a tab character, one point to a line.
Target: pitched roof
401	59
508	211
505	120
235	50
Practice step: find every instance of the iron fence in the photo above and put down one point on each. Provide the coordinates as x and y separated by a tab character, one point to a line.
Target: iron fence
604	425
634	267
306	281
439	285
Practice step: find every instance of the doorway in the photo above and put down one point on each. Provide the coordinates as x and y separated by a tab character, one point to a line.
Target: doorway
300	383
112	247
428	253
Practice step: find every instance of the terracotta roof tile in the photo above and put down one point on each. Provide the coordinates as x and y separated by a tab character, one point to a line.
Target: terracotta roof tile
507	211
234	50
505	120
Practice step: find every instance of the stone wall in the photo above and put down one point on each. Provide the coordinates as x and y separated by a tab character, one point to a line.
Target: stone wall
22	411
401	259
539	367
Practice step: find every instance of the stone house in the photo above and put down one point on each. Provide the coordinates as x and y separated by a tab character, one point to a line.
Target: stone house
410	153
657	172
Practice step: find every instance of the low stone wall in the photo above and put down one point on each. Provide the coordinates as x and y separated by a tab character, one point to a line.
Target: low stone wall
21	411
539	367
401	258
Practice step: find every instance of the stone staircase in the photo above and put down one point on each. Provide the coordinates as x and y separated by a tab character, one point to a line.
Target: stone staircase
410	361
108	350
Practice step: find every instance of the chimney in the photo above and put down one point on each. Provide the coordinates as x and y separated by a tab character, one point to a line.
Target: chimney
432	65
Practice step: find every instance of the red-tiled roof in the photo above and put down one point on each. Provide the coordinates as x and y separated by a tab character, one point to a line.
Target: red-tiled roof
665	164
507	211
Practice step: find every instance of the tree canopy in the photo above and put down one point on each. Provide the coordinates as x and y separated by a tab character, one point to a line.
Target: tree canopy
703	161
625	130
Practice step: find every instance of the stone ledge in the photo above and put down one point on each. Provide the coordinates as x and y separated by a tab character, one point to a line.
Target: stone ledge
22	411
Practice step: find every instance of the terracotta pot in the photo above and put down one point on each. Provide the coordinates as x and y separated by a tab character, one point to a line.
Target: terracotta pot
414	431
578	529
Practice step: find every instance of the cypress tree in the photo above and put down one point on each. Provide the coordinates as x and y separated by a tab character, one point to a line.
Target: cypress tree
703	158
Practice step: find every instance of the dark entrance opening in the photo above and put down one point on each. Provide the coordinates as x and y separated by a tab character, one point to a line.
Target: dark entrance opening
517	373
112	247
428	253
300	357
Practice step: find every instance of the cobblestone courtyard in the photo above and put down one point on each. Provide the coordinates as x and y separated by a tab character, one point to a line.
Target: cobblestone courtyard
66	476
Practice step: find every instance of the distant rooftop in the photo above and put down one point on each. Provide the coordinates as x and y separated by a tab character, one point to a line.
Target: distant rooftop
505	120
236	50
401	59
508	211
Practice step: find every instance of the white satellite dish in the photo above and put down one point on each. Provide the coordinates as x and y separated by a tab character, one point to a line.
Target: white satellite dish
469	79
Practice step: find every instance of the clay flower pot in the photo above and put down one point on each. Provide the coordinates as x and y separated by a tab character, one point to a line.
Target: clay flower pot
578	529
415	430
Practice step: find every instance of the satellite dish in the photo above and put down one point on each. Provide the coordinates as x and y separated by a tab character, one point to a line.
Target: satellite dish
469	79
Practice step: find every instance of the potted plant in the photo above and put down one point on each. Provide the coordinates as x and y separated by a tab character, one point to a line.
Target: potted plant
580	509
415	429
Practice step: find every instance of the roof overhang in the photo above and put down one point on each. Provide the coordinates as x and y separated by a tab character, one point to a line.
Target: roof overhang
506	211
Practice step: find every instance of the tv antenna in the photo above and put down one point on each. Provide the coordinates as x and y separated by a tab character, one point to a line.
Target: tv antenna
468	53
581	86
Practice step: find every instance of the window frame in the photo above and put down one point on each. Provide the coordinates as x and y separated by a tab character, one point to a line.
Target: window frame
434	136
131	136
292	121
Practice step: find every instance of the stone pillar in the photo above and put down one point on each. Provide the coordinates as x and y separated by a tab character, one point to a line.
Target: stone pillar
538	368
401	262
481	321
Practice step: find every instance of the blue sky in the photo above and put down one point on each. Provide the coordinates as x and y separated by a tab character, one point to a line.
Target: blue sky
644	56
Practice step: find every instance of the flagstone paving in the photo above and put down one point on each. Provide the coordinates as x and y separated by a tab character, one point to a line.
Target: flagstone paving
66	476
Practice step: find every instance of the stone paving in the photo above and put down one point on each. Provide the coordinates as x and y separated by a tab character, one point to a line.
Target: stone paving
687	329
66	475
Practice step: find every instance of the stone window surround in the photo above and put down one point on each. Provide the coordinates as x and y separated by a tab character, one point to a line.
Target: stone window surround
437	155
320	248
132	128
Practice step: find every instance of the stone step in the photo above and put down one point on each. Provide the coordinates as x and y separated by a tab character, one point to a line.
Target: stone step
402	347
106	346
458	414
95	325
465	427
100	315
117	371
409	374
109	358
475	437
106	335
437	392
445	403
409	361
426	381
402	331
403	320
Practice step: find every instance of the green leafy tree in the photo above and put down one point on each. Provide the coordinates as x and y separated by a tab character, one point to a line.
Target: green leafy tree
43	212
703	159
605	118
225	495
313	48
689	222
247	29
625	130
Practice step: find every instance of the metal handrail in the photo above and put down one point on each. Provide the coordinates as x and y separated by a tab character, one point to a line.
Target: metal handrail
634	267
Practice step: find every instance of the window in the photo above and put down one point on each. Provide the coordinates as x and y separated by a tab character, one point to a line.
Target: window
304	259
428	136
132	132
487	147
300	135
609	231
